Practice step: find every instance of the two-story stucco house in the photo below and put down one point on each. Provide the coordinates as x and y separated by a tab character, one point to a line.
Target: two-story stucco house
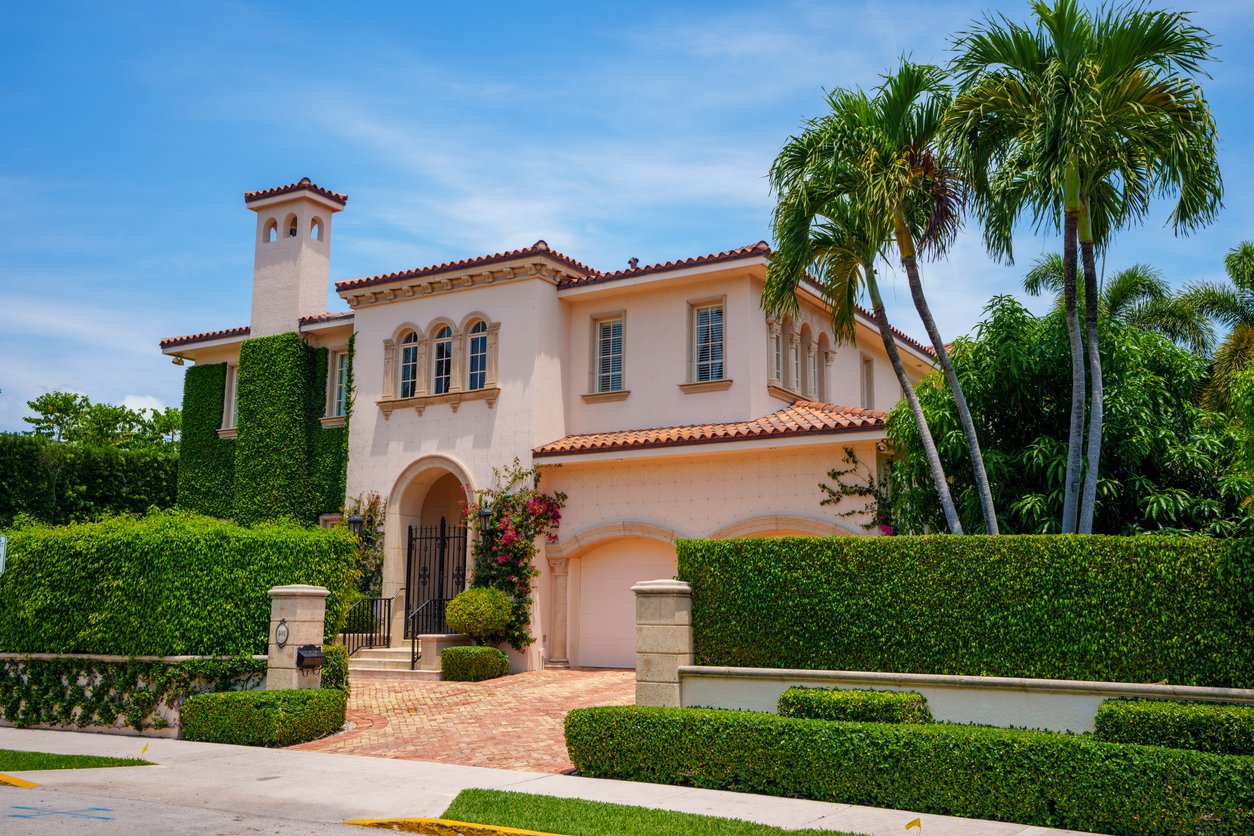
660	399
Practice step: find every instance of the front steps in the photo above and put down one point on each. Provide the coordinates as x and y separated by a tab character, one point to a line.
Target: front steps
386	663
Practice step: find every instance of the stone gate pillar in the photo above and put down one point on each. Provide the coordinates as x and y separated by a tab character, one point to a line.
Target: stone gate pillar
663	639
300	610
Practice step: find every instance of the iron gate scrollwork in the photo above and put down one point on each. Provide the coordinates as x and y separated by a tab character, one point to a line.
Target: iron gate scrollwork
435	572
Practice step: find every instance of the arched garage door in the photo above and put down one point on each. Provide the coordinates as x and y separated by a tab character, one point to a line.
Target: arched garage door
605	622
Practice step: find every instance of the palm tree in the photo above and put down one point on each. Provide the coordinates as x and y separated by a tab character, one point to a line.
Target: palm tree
1233	306
1138	297
822	233
880	153
1086	118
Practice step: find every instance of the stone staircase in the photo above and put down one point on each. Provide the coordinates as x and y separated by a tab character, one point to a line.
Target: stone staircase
386	663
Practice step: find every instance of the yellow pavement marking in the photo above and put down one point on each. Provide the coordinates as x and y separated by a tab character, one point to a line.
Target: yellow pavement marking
445	827
916	823
17	782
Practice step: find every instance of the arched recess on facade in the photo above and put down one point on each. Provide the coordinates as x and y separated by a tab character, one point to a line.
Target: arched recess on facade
429	488
589	538
776	525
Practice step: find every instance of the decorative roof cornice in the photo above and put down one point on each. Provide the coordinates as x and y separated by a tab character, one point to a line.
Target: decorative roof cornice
305	185
206	336
760	249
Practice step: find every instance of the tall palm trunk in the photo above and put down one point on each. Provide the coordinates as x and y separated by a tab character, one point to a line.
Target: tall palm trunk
1093	456
905	246
1075	438
912	398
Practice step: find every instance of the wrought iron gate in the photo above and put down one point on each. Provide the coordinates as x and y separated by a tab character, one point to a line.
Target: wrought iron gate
435	572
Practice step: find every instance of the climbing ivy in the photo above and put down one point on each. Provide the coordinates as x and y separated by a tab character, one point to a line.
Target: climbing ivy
206	474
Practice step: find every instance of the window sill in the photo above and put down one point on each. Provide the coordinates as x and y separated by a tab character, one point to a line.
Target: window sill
332	420
228	432
777	391
603	397
705	386
454	399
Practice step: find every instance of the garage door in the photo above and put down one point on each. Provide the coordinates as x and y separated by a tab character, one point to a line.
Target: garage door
606	621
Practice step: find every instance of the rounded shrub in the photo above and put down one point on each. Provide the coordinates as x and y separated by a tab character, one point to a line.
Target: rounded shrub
472	664
854	705
480	612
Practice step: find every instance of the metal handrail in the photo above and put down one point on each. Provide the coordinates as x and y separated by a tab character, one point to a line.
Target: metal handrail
368	624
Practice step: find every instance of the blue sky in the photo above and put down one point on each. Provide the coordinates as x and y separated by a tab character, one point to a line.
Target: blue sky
131	131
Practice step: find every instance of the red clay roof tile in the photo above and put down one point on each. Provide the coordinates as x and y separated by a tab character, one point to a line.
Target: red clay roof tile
305	185
539	248
206	336
802	418
325	317
761	248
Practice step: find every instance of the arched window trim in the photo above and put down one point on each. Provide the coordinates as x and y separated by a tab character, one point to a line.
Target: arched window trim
429	386
291	226
317	229
442	340
270	232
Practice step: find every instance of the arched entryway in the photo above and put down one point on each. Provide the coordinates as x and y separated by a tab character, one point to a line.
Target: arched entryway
427	543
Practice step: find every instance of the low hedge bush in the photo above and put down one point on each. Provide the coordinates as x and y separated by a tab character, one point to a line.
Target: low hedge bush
335	668
1207	727
1119	609
480	612
170	583
264	718
854	705
1035	778
472	664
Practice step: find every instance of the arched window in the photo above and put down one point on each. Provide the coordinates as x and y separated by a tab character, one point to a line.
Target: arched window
409	364
807	381
442	360
478	356
315	229
271	233
292	230
825	350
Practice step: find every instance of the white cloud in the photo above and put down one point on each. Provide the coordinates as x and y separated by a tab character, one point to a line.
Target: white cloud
140	403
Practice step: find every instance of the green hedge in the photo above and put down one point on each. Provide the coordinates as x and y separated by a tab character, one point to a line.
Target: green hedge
1035	778
335	668
57	482
1223	729
206	475
472	664
854	705
264	718
1124	609
169	583
92	692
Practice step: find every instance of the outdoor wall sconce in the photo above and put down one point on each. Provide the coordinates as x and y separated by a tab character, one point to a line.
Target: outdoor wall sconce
355	524
485	525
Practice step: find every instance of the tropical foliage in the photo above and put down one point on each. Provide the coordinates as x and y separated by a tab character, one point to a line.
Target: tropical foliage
1168	464
73	418
1232	305
518	514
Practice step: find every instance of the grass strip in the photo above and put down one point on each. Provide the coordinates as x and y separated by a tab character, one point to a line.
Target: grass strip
596	818
12	760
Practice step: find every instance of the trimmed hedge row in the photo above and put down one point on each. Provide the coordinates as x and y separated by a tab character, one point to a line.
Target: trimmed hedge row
854	705
206	474
264	718
166	584
1123	609
472	664
92	692
57	482
1036	778
1223	729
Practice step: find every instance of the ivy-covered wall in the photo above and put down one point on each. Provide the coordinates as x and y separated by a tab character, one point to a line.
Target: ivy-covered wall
206	477
283	463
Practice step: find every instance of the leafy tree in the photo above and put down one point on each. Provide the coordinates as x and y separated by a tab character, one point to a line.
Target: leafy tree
73	418
1168	465
55	412
1233	306
1083	118
868	170
1137	296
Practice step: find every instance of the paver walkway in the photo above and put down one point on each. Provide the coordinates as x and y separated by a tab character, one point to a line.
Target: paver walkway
514	722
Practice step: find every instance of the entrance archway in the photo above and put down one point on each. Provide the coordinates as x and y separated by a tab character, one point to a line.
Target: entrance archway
427	561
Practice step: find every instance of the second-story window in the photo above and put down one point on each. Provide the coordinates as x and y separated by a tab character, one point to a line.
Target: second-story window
339	394
442	360
777	355
609	357
478	351
409	365
866	380
708	342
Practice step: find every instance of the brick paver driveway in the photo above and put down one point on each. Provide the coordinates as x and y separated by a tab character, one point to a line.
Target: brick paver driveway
514	722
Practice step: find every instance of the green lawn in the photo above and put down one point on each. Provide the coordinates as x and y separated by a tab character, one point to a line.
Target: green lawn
14	761
593	818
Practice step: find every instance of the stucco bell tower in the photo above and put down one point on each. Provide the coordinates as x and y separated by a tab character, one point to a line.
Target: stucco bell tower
292	265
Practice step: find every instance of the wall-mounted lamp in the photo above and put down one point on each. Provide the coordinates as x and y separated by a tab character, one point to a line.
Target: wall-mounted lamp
355	524
485	525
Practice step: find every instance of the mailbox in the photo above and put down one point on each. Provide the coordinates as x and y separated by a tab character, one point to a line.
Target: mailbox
310	657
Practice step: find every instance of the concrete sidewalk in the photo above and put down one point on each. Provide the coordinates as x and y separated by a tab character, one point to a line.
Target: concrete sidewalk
284	785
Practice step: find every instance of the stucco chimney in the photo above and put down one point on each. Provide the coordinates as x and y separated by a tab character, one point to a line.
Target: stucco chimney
293	257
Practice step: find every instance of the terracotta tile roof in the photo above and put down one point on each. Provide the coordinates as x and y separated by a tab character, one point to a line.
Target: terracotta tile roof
802	418
206	336
325	317
538	248
761	248
305	185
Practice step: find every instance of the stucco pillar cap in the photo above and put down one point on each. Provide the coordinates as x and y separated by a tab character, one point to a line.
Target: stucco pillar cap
299	590
664	586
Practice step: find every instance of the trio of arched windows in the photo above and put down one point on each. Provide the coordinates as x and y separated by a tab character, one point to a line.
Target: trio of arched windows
442	360
291	227
798	362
